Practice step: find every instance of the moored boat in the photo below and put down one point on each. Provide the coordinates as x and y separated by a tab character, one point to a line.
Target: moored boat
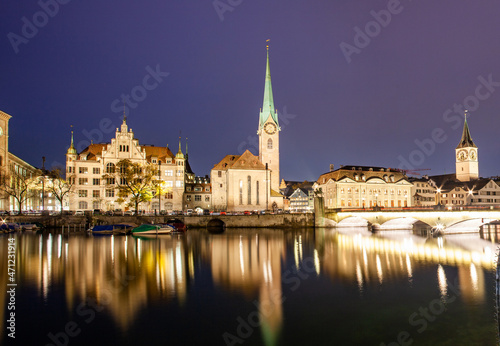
153	229
177	224
111	229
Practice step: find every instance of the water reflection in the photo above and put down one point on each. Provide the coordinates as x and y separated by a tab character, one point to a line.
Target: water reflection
129	275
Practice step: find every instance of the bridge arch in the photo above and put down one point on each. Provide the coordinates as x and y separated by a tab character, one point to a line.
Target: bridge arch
468	226
354	221
216	226
405	223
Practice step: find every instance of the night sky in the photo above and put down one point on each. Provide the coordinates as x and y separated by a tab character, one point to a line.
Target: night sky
403	84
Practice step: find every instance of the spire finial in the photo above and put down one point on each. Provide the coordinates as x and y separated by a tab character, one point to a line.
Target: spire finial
71	149
124	115
267	43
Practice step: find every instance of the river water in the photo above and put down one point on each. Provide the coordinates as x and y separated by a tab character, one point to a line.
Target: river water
251	287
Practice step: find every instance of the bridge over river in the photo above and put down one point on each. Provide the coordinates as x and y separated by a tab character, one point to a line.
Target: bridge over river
446	221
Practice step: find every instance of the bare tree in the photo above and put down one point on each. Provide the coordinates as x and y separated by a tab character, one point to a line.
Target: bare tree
134	181
19	184
58	185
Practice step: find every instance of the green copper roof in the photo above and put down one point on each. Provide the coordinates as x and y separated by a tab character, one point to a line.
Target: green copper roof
268	104
466	140
71	149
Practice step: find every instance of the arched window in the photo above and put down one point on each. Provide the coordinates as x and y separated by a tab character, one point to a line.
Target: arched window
257	191
82	205
249	182
241	191
269	143
110	168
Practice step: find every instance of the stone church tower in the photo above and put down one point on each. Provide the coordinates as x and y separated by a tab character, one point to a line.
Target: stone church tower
269	129
466	157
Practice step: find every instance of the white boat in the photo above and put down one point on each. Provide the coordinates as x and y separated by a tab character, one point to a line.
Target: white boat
153	229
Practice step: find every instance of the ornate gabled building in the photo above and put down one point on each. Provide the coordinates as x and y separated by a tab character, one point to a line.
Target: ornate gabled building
365	187
247	182
466	156
87	169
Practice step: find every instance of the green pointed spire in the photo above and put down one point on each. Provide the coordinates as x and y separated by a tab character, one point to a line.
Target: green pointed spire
179	154
71	149
268	104
466	140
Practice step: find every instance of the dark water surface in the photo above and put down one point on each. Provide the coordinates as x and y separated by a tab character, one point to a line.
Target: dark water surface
252	287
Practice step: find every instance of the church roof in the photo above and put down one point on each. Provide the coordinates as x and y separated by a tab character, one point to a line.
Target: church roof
466	140
245	161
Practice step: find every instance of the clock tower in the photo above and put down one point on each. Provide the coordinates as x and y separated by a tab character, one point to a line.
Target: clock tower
466	156
269	129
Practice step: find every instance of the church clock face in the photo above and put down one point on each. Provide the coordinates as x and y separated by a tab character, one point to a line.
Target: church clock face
472	154
462	155
270	128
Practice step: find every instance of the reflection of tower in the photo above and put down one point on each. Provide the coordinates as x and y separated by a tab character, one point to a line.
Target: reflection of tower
269	129
248	263
466	156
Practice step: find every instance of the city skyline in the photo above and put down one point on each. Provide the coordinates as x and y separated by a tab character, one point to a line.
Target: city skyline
366	83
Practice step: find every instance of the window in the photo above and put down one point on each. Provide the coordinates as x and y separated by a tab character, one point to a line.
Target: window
188	188
269	143
82	181
207	198
197	198
179	173
96	181
95	205
219	174
169	195
257	192
207	189
123	181
83	170
249	189
110	168
241	191
70	169
96	170
82	205
82	193
198	189
169	173
110	181
95	194
110	193
188	198
179	183
169	184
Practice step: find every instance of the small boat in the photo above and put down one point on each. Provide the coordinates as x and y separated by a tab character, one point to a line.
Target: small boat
29	226
111	229
153	229
177	224
9	227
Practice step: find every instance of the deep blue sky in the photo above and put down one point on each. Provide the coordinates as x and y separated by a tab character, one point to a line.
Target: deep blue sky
366	112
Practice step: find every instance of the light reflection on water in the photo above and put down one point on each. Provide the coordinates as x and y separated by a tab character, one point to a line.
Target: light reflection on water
281	272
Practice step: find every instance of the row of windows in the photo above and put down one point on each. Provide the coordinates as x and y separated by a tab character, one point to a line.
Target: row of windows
111	193
425	191
386	203
249	191
197	198
370	191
